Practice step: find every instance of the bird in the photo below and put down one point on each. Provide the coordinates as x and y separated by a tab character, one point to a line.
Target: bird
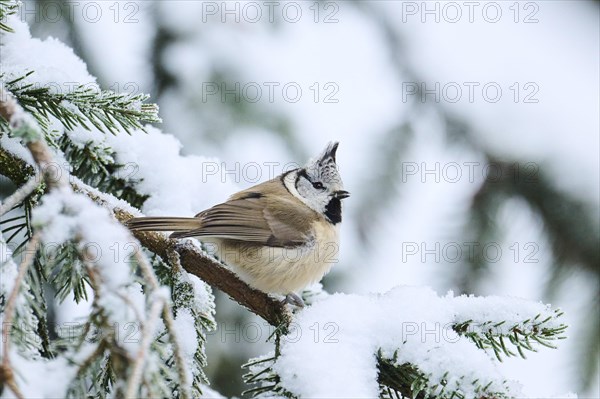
278	236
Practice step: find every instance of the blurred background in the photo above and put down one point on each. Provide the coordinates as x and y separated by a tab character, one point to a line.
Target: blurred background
469	140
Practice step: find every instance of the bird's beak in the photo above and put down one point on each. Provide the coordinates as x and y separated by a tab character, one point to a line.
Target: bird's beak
341	194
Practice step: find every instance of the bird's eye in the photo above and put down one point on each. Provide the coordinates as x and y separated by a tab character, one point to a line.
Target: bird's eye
318	185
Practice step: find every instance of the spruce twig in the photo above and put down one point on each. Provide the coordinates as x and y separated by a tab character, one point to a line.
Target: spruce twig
17	117
7	7
9	313
84	106
169	322
488	334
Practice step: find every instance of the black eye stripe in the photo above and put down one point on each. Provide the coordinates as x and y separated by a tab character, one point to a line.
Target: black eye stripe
303	173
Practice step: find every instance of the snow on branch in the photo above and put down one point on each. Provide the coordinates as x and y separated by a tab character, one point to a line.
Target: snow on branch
64	217
407	341
192	258
200	264
502	323
20	122
12	297
84	106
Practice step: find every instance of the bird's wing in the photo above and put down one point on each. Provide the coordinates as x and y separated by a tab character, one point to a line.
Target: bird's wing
254	218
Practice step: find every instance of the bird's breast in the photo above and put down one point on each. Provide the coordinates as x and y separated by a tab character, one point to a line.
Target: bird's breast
283	270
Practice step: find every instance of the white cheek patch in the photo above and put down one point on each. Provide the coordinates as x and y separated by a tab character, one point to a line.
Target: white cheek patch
290	183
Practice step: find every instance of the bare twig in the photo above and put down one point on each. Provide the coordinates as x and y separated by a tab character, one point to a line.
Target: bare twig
147	336
169	322
178	353
43	157
8	106
146	269
129	303
90	359
9	313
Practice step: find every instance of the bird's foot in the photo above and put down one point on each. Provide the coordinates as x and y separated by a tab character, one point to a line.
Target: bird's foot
294	299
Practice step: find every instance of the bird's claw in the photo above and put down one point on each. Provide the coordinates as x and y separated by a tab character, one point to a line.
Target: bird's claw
294	299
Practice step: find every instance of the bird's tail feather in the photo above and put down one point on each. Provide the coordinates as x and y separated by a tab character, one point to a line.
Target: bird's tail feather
163	224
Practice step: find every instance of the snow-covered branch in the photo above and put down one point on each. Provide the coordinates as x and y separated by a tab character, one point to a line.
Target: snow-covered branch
66	216
6	370
193	260
198	263
405	341
85	106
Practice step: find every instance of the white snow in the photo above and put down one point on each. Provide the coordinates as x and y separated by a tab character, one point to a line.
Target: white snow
35	376
111	201
54	63
178	185
496	309
187	339
152	162
42	378
14	146
106	245
203	296
331	349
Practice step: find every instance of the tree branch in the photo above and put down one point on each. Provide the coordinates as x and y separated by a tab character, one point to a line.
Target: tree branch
148	330
202	266
213	273
13	167
169	322
13	114
9	313
192	260
19	196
